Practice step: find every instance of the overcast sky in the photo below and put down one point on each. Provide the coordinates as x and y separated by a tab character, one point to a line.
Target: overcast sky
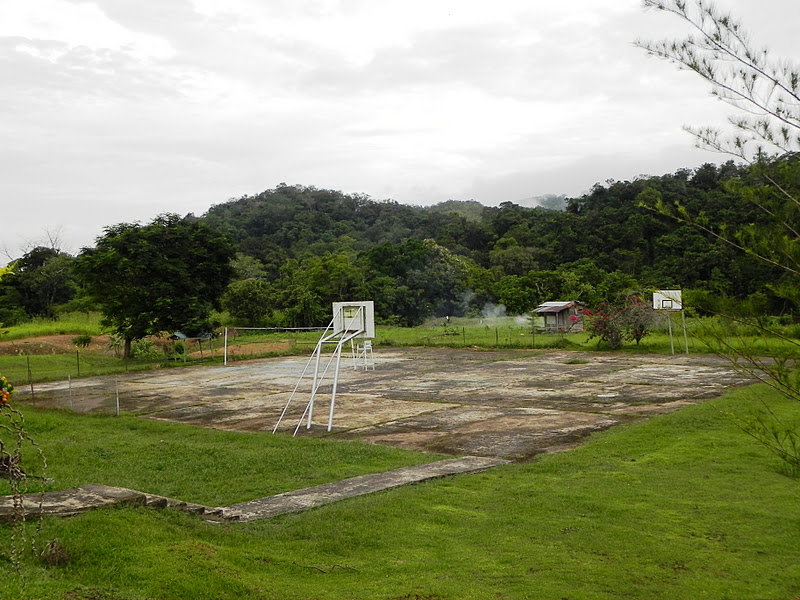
115	111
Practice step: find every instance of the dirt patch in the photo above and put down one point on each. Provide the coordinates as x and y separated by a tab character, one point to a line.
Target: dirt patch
53	344
510	404
257	348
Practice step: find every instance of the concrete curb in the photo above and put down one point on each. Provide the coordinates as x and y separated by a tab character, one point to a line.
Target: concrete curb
71	502
67	503
300	500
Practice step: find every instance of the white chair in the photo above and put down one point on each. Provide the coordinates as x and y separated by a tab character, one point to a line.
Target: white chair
364	355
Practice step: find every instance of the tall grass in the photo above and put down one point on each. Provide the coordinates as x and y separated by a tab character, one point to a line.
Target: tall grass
75	323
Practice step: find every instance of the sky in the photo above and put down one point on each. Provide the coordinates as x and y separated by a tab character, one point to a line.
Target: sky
115	111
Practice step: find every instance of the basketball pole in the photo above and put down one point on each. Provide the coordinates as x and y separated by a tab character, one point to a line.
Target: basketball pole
685	335
671	342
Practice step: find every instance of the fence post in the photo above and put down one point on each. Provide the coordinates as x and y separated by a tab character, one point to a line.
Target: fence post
30	379
116	392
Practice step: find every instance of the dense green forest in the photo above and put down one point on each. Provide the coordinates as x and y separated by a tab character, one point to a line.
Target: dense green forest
301	248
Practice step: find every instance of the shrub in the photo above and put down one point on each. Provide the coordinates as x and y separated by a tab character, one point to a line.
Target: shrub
612	324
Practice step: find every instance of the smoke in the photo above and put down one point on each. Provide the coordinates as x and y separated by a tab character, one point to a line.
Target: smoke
466	301
493	311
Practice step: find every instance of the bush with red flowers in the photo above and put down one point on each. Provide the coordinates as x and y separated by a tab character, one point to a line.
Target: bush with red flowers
614	324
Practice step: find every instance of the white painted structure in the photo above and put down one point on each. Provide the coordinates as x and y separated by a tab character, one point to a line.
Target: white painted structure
351	320
667	300
672	301
354	316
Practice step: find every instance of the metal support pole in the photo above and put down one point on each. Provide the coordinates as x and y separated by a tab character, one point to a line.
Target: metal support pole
225	351
671	342
315	384
685	335
335	383
30	379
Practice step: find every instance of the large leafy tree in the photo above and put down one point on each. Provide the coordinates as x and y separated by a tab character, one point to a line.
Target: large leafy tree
44	279
249	300
164	276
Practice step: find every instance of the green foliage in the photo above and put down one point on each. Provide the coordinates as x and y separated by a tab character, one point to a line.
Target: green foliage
65	323
22	467
36	284
146	349
165	276
416	279
82	341
767	92
604	324
612	325
249	300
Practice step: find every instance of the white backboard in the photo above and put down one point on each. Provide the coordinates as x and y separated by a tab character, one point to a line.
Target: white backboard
354	316
667	300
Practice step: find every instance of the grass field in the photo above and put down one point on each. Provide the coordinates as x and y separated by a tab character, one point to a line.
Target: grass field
23	362
681	506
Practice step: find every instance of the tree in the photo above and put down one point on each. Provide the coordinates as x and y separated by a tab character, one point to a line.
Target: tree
746	77
249	300
11	311
307	288
164	276
44	279
767	91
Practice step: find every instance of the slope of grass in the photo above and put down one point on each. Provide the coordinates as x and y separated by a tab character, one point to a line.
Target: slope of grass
681	506
194	464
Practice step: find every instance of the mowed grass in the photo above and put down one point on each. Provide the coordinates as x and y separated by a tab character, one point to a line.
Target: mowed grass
680	506
204	466
27	364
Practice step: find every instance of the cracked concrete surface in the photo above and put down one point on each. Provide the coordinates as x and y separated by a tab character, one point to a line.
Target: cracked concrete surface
511	404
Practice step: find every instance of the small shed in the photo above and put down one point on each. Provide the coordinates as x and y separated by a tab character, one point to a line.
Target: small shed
179	336
561	316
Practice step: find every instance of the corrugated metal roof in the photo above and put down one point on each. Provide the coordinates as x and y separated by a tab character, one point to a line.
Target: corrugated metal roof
554	307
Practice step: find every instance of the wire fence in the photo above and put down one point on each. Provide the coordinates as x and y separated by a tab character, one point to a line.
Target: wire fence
108	395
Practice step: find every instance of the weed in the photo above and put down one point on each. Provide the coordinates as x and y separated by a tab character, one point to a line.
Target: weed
54	554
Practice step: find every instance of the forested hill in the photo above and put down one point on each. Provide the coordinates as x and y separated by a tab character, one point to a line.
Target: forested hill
302	248
315	246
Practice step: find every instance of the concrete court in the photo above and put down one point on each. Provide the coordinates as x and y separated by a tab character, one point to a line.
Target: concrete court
510	404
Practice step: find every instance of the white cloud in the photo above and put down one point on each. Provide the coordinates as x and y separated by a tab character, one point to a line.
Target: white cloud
77	24
115	111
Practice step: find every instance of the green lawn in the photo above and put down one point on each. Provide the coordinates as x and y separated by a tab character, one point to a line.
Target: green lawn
204	466
681	506
29	364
